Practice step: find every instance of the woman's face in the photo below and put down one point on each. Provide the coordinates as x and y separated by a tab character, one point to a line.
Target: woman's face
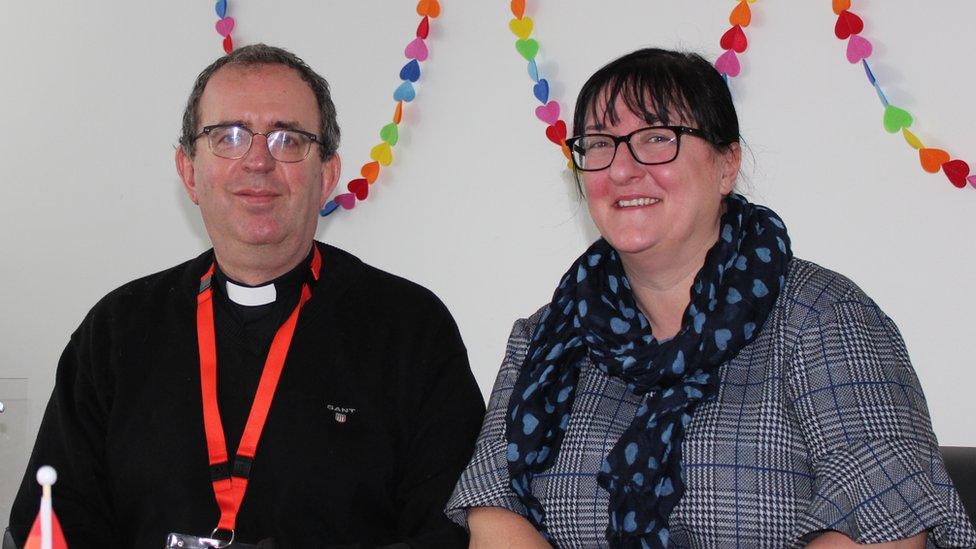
663	209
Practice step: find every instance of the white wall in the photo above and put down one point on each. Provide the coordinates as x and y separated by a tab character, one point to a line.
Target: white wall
477	205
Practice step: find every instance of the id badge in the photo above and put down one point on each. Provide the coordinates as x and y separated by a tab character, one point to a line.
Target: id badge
186	541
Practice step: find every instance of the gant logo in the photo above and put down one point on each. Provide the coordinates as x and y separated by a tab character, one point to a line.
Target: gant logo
342	413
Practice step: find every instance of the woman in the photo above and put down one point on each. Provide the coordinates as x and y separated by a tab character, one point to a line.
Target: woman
692	384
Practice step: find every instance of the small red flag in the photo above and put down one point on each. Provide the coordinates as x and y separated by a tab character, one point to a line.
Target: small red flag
57	535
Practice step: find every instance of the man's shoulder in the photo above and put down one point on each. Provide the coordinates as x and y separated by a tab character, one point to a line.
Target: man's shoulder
162	287
362	281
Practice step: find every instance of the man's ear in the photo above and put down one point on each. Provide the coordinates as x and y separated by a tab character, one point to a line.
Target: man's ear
331	169
184	167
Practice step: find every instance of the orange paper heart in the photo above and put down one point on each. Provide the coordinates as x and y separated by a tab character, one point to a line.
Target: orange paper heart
933	159
741	15
398	112
429	8
370	170
518	8
841	5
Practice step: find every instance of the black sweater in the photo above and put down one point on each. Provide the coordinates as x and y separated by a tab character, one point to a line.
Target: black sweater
124	426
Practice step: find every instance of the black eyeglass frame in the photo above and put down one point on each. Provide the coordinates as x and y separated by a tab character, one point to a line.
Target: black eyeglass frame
618	139
267	135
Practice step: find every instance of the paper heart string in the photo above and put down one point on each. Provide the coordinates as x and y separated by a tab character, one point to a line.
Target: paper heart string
528	47
734	40
849	26
381	155
224	26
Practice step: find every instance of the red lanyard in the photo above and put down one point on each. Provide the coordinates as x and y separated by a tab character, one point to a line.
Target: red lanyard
230	480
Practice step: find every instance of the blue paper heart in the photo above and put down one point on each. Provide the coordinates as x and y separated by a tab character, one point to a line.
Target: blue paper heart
331	205
410	71
533	70
541	91
404	92
221	8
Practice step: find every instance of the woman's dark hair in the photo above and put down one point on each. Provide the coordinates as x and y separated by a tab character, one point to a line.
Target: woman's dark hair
661	86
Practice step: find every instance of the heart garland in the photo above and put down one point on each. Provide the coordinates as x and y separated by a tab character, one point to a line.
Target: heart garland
734	40
225	25
380	155
849	27
528	47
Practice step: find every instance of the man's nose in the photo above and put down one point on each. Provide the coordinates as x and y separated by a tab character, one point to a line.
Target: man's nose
258	157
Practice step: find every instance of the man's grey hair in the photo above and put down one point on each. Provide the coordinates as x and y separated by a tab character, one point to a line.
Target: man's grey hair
262	54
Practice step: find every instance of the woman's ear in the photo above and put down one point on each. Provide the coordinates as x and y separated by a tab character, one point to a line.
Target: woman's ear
731	159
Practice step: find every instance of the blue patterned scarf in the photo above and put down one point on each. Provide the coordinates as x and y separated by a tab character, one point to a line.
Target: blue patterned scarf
593	312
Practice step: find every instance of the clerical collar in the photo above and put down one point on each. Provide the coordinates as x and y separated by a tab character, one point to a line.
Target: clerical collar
251	296
255	296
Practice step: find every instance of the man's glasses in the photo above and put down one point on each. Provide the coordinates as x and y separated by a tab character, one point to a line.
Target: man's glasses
653	145
234	141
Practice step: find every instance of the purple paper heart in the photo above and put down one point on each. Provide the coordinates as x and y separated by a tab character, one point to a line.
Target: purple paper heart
346	200
225	26
728	63
858	48
548	113
416	49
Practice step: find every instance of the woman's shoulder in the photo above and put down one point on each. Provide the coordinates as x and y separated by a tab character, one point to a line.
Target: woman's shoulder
524	327
811	288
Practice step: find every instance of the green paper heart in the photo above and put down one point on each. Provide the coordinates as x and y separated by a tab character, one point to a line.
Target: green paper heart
895	119
527	48
390	134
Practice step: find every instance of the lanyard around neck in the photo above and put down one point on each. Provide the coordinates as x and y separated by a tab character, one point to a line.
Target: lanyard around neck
230	479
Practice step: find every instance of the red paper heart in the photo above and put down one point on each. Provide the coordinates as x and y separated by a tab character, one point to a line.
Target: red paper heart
557	132
932	159
359	187
957	171
423	29
734	39
228	45
847	24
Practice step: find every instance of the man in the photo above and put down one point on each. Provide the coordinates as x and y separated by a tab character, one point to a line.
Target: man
168	414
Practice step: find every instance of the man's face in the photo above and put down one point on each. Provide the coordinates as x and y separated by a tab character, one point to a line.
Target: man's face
256	200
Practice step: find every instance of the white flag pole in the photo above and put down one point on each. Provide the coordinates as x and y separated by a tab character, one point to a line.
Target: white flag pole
46	477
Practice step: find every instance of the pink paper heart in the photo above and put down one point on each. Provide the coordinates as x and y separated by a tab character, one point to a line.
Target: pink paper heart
346	200
416	49
858	48
548	113
728	63
972	180
225	25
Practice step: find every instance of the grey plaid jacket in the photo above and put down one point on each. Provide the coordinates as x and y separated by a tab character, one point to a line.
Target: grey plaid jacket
819	424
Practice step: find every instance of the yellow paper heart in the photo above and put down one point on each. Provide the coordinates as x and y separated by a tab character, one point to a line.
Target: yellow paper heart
521	27
915	142
382	154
